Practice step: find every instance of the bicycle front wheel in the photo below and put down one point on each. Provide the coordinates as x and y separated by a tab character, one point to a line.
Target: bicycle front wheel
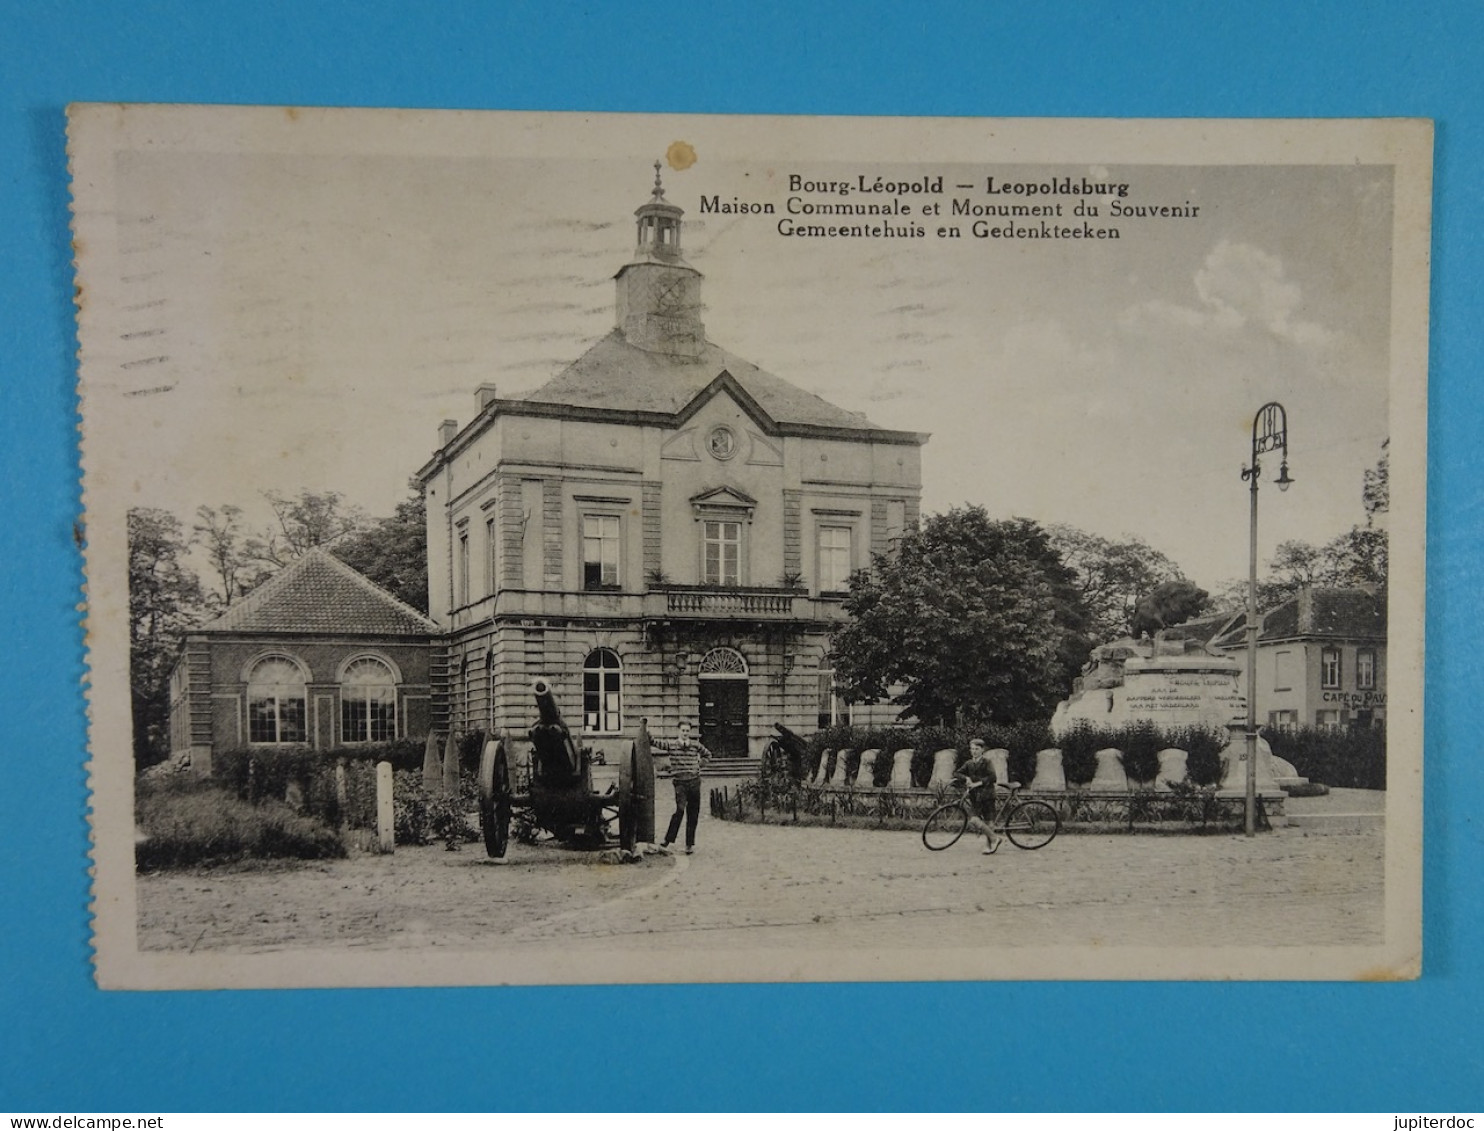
944	826
1032	824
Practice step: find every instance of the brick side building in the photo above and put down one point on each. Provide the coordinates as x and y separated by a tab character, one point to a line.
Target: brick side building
318	655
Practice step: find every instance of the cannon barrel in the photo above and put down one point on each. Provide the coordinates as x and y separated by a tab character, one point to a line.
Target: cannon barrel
546	705
558	761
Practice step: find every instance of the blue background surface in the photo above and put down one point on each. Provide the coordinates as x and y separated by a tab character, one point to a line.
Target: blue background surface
64	1046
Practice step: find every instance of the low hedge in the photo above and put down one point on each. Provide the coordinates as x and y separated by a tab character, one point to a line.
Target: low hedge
271	774
1346	759
186	820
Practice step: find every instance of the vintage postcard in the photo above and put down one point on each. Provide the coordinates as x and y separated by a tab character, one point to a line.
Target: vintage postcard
565	548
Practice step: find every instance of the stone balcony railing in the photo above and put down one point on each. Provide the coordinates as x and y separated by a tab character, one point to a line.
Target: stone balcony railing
707	602
661	602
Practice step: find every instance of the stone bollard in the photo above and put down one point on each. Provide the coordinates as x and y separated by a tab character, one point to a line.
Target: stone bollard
386	830
1050	777
865	774
944	763
1172	768
1110	777
1000	760
841	767
451	768
821	772
901	769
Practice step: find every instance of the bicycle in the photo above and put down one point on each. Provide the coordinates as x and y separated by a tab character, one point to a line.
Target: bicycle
1029	824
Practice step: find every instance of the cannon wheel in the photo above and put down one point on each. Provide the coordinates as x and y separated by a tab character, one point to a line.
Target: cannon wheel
628	806
494	798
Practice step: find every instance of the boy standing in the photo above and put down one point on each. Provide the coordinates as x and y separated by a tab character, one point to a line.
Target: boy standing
687	756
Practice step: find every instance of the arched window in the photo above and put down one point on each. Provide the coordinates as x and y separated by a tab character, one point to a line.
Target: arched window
368	702
602	692
275	702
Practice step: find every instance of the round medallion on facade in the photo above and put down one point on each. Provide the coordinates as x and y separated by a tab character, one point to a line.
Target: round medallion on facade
722	443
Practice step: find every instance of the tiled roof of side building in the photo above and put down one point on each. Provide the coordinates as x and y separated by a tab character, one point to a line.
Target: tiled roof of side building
1346	612
616	375
320	593
1340	614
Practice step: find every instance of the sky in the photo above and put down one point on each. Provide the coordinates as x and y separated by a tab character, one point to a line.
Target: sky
290	321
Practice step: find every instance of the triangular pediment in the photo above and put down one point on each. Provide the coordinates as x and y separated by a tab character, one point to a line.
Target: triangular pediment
725	383
723	497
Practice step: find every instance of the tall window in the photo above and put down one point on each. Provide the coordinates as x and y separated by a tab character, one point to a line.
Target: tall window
602	692
600	547
1329	668
834	558
723	553
1365	669
368	702
1327	720
462	598
1283	720
275	702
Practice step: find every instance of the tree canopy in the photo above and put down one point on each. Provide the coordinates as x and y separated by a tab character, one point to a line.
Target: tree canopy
1111	575
393	552
970	618
165	598
1357	558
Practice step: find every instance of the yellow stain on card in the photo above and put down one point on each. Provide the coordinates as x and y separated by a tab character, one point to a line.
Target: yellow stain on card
680	156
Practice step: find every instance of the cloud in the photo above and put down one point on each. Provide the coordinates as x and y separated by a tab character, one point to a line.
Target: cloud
1238	287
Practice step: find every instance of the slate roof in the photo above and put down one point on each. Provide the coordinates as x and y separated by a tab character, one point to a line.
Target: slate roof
1332	614
614	374
320	593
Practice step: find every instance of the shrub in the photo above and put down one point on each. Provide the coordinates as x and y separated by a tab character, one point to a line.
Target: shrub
1204	765
187	820
1079	747
1139	744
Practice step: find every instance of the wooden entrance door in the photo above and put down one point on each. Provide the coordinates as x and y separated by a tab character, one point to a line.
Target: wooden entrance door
724	717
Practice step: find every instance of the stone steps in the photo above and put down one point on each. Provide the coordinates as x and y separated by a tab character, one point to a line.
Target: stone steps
724	768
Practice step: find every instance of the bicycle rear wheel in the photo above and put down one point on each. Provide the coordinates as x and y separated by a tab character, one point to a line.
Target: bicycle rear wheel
944	826
1032	824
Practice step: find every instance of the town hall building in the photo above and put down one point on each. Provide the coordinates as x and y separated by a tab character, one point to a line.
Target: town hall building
663	531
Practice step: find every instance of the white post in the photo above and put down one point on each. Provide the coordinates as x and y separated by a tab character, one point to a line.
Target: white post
385	829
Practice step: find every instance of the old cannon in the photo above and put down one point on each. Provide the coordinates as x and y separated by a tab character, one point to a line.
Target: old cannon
786	752
559	795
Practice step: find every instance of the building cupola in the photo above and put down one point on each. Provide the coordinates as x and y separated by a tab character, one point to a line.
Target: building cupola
659	294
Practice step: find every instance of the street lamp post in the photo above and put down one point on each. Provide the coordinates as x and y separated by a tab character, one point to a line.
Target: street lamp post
1269	434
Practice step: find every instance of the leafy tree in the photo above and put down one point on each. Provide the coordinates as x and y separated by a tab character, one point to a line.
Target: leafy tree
1376	494
1111	575
164	599
220	533
302	522
1358	557
971	618
1170	603
393	552
242	559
